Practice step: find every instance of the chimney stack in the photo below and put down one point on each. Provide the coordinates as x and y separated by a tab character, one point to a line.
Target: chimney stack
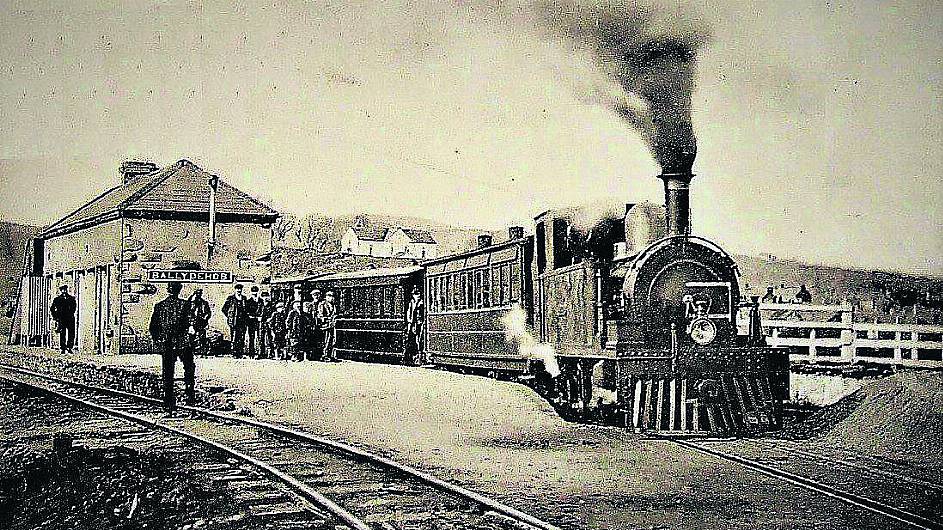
677	203
516	232
132	170
484	241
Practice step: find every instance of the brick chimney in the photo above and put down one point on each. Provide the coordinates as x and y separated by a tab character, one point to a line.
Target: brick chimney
516	232
132	170
484	241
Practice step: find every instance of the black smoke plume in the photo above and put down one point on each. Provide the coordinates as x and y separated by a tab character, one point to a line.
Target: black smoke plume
651	54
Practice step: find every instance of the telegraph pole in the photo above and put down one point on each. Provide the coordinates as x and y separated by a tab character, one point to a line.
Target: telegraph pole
213	181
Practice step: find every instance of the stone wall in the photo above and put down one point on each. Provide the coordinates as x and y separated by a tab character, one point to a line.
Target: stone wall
164	244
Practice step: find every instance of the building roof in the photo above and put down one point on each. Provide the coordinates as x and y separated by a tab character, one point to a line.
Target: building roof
419	236
370	233
178	188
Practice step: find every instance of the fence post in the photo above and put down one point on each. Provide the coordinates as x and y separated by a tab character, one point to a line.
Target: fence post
914	338
812	348
775	338
847	334
898	350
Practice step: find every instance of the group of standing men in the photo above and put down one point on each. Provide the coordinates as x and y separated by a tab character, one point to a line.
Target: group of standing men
265	329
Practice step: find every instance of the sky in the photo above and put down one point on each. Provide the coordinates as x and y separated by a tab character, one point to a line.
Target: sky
819	124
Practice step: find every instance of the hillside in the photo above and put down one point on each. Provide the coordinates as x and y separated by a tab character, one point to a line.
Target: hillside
323	233
874	291
13	238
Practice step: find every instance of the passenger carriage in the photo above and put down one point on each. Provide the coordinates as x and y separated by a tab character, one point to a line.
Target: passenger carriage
371	310
470	297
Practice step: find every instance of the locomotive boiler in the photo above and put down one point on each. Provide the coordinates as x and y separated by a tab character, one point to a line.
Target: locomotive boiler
645	328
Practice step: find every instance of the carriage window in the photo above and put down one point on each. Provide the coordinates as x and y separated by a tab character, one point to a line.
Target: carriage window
470	291
478	290
398	294
505	284
486	287
514	282
380	294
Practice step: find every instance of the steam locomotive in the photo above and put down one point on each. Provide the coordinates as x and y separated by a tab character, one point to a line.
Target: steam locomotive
625	320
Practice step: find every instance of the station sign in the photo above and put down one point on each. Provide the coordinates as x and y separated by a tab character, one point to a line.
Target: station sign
186	276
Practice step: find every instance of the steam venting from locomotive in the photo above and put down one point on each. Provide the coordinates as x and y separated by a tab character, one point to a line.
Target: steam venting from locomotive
515	328
651	54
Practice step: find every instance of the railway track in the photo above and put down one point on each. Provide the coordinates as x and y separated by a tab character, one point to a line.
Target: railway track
816	472
355	488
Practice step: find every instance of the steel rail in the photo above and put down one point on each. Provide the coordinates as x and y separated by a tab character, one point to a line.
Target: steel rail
871	505
361	454
310	497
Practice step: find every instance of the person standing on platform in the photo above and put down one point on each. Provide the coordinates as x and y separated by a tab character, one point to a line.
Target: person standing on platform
327	322
198	315
315	336
266	308
414	318
63	313
307	323
252	320
168	329
295	327
236	316
277	326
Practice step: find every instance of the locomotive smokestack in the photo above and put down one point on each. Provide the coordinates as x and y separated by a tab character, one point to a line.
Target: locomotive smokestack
677	203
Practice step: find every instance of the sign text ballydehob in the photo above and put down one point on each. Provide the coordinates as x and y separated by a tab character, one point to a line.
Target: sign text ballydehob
185	276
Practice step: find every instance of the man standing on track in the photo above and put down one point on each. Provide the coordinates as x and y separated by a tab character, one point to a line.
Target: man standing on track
63	312
327	319
235	310
168	328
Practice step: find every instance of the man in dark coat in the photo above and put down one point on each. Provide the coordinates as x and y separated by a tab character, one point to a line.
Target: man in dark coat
198	316
415	315
63	312
237	317
327	323
169	330
252	322
266	308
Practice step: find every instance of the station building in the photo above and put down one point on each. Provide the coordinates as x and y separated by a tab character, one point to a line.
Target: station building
117	252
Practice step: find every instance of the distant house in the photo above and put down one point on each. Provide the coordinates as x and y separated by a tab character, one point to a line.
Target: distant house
389	242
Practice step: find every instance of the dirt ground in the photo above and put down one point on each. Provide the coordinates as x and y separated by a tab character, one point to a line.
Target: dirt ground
502	439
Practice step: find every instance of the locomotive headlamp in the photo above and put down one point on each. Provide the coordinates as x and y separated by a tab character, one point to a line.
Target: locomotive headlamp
702	331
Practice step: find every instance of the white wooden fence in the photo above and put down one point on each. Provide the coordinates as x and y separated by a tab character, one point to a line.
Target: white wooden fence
828	334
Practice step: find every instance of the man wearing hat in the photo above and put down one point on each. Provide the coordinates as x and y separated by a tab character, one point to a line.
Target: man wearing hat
63	312
198	315
168	329
236	316
277	325
266	308
414	318
315	335
252	322
327	319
